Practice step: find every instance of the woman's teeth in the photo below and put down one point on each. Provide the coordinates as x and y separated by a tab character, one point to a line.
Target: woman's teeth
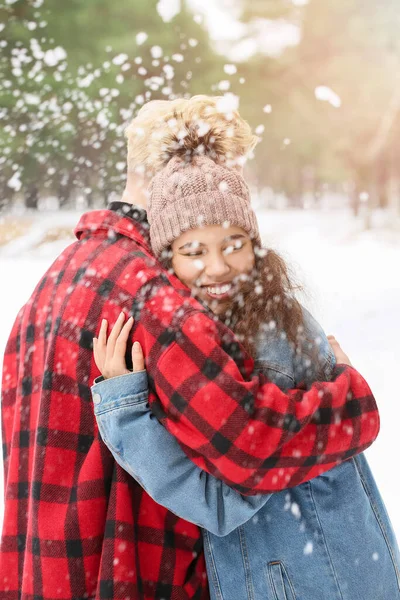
219	290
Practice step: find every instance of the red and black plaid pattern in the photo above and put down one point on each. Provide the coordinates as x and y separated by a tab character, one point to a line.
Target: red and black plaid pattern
75	525
252	435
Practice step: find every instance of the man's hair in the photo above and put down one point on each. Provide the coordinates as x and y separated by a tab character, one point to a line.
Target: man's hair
160	123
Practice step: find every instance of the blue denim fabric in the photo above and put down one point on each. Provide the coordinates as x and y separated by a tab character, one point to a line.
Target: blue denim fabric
327	539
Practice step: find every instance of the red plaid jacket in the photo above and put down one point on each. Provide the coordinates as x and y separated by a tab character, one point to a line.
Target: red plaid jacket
76	526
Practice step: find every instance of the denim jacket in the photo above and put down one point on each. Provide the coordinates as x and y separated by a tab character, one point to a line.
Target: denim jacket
326	539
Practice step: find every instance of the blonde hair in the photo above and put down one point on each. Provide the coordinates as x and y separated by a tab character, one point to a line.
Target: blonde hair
164	128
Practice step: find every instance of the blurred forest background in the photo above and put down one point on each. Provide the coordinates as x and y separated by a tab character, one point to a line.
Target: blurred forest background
326	103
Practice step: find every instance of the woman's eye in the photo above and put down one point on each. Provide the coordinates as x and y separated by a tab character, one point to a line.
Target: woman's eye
233	247
194	254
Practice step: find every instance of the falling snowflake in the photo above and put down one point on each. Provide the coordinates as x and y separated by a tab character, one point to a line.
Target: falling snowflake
141	37
54	56
228	104
168	9
156	51
326	94
308	548
230	69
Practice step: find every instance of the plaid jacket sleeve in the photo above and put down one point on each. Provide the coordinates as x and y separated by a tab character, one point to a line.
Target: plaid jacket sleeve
250	434
9	390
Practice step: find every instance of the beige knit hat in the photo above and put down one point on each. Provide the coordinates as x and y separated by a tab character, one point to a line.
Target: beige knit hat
194	190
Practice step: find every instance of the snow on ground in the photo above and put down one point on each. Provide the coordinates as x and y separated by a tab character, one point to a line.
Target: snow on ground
352	281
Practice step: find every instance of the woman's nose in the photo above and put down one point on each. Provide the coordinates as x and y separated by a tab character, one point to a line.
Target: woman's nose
217	267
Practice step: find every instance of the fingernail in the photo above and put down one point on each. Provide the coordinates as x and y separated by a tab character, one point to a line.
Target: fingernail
122	314
130	319
104	321
136	347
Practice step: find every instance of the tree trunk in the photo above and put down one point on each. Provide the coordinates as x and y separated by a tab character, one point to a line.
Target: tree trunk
65	193
6	198
32	197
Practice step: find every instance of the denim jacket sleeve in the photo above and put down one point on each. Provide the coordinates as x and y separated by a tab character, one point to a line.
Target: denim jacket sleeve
153	457
316	360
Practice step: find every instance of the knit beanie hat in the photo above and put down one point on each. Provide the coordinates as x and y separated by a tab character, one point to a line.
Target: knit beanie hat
194	190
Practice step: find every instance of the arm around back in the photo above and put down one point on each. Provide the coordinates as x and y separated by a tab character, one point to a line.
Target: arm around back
249	433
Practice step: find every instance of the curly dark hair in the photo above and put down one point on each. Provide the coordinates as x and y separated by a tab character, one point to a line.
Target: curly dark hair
267	299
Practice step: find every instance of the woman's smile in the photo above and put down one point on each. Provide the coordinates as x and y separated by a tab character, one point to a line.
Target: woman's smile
219	291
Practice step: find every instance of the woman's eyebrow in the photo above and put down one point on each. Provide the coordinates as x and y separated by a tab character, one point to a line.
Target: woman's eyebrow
196	244
191	245
235	236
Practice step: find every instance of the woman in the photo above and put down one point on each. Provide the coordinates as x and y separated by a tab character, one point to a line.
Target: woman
327	538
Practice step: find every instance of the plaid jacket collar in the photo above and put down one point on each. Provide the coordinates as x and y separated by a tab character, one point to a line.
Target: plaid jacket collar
118	218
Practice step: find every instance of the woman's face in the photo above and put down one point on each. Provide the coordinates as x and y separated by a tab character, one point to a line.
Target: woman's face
213	262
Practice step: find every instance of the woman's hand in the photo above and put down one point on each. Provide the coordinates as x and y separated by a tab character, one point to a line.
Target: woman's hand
341	357
109	355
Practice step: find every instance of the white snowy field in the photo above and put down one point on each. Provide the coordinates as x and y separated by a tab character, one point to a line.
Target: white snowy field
352	281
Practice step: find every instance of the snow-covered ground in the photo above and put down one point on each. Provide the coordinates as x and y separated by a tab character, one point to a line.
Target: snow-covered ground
352	281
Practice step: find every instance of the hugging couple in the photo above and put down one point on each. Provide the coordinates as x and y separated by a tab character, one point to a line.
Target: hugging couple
219	453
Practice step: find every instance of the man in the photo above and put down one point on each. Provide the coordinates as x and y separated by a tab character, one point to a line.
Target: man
76	526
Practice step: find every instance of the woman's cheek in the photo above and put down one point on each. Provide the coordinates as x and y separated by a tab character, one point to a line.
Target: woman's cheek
188	270
251	260
246	264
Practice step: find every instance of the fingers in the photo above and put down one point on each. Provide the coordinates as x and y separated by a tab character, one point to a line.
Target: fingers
112	338
137	357
123	336
109	354
333	341
102	340
118	357
99	346
334	344
96	354
341	357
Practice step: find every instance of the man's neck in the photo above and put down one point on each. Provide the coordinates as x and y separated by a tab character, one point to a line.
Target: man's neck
135	193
